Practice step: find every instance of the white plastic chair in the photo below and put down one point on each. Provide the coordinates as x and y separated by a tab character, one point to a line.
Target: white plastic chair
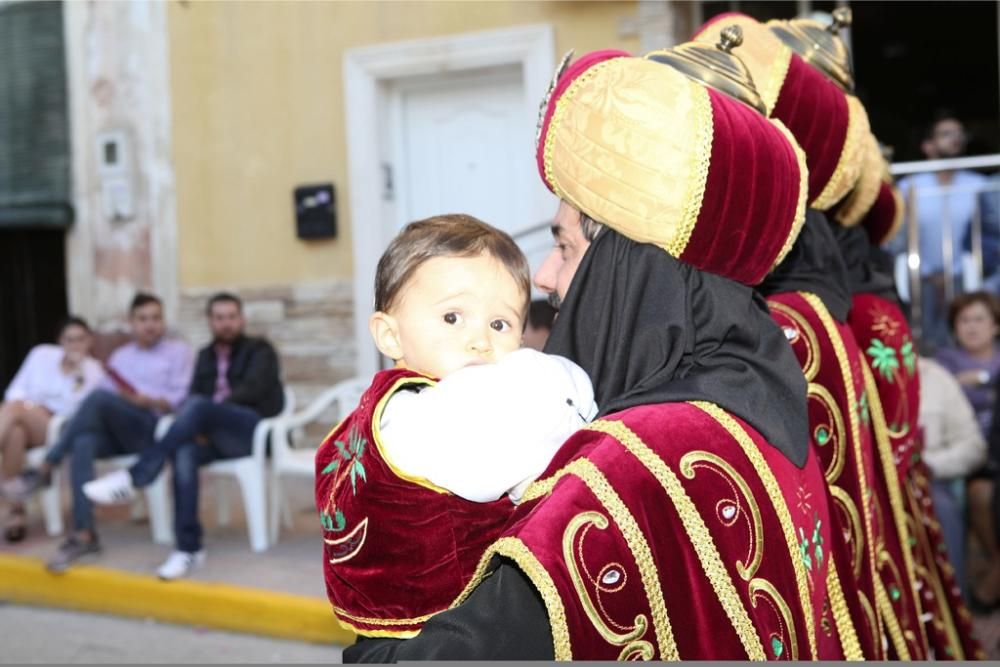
287	460
157	503
249	472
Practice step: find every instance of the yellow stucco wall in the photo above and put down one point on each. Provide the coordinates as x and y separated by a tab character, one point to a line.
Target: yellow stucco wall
256	94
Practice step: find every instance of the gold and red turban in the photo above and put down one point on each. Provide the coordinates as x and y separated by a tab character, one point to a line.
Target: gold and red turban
830	125
665	160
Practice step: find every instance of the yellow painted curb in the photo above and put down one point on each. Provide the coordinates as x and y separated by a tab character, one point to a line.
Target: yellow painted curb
220	606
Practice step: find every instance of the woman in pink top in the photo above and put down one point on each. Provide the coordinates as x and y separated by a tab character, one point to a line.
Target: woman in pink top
52	381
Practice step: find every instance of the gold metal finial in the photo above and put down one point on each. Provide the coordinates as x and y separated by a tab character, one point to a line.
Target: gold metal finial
842	18
731	37
820	46
715	66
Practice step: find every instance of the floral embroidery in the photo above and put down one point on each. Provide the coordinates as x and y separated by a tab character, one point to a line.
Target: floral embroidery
345	464
883	359
816	541
909	357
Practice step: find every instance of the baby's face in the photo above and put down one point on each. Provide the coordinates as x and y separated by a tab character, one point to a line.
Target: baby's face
456	312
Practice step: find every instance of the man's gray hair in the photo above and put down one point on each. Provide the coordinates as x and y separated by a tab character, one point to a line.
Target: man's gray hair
590	227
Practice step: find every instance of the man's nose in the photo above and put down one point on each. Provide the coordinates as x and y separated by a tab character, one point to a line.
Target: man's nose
545	277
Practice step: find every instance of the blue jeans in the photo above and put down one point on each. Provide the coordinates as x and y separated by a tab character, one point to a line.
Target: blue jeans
104	425
228	429
950	513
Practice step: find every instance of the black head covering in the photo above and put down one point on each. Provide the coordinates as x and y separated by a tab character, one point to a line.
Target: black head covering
868	268
650	329
813	265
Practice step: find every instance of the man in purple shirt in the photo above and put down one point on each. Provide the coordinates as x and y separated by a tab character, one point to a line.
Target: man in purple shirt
147	378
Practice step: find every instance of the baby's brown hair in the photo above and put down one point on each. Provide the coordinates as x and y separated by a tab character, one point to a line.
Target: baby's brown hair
451	235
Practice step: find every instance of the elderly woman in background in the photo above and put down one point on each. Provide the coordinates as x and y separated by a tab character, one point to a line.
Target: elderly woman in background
51	382
975	361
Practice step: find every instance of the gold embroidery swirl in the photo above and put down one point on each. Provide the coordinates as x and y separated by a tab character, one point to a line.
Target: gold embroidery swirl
629	639
764	589
810	365
838	435
598	484
896	507
843	361
846	503
697	531
841	615
698	165
701	459
780	507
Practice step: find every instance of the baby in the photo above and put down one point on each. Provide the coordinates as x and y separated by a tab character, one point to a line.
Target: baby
415	483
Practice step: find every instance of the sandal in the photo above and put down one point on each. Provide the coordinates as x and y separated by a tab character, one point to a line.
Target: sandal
17	525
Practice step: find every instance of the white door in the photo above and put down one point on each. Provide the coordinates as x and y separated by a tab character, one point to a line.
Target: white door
463	146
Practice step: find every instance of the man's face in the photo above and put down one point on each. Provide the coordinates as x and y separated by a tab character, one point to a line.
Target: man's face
947	140
556	273
147	324
226	321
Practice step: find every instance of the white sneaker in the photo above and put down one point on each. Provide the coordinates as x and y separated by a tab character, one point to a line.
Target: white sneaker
180	563
115	488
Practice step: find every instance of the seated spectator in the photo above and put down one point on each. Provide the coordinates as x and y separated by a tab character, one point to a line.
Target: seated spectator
145	379
541	315
975	361
974	320
51	382
236	383
953	447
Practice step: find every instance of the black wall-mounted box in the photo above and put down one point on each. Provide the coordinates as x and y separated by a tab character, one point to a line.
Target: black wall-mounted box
315	211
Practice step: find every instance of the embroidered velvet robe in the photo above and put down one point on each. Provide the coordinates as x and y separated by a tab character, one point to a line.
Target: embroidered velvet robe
884	335
397	549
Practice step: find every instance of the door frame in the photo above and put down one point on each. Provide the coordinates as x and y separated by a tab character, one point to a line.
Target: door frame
367	73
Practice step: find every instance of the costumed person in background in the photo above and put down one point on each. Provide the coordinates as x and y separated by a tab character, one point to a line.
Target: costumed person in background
863	221
690	520
415	483
893	375
809	298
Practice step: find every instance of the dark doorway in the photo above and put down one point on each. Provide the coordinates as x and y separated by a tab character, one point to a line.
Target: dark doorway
32	292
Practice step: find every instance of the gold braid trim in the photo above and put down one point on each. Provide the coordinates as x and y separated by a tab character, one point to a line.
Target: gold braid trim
517	551
884	448
776	79
851	156
598	484
780	507
376	426
560	111
810	366
697	531
698	164
892	623
840	351
800	208
934	579
841	615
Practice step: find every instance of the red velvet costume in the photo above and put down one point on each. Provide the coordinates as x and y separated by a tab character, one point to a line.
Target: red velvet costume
883	333
840	411
695	578
397	549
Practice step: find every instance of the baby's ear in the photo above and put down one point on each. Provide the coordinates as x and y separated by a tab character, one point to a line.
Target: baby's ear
385	332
